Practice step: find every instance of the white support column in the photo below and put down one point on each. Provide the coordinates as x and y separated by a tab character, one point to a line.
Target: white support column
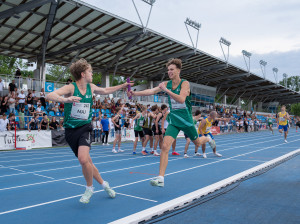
259	106
239	102
225	100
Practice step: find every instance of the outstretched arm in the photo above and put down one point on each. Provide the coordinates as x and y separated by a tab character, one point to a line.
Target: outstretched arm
147	92
67	91
109	90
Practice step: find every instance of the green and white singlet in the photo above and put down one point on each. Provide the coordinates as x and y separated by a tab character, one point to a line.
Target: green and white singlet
79	114
138	126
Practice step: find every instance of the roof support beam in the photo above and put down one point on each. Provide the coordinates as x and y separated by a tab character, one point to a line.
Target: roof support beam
129	45
231	77
96	42
245	83
24	7
159	58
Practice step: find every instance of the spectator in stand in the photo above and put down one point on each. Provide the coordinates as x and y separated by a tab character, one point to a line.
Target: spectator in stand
18	76
61	107
42	97
113	108
31	110
3	123
34	123
35	99
21	118
61	123
246	124
105	129
12	86
1	87
12	103
98	84
97	129
53	124
69	80
56	107
29	100
51	106
11	126
98	104
44	123
39	111
38	103
4	104
21	98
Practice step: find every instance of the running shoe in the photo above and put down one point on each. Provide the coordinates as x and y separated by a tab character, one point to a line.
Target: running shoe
144	153
197	154
103	143
120	150
109	191
285	141
204	155
106	144
85	198
156	182
218	154
133	153
114	151
186	155
152	152
175	153
156	154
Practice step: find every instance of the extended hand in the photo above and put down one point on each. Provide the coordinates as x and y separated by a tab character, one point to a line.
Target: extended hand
162	86
72	99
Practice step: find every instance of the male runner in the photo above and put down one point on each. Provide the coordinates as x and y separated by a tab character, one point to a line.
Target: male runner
147	128
78	100
180	116
138	128
204	130
196	118
270	123
282	122
297	123
156	128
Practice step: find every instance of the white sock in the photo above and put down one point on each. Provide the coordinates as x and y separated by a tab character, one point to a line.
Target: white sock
119	148
155	150
104	185
161	178
113	148
143	149
151	149
90	188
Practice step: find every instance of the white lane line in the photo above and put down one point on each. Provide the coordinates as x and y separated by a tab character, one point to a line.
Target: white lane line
43	176
75	184
217	158
128	195
128	184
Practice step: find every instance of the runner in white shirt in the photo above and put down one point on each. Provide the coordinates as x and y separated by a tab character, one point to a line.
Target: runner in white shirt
3	123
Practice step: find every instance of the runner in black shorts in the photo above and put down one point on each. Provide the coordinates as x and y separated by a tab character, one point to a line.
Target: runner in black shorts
138	128
156	128
297	123
150	116
118	134
78	100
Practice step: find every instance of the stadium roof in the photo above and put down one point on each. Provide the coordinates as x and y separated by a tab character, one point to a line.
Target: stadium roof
70	29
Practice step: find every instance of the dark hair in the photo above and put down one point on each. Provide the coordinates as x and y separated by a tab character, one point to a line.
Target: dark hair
164	106
154	107
175	61
197	112
105	115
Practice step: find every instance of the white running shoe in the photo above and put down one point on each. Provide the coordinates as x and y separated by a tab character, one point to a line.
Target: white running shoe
103	143
114	151
197	154
186	155
109	191
285	141
218	154
156	182
204	155
106	144
156	154
85	198
120	150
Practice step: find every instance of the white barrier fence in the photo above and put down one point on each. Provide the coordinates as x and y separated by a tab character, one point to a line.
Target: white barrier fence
38	139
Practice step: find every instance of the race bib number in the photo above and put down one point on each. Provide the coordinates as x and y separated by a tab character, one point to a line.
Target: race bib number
80	111
176	105
208	129
141	123
282	119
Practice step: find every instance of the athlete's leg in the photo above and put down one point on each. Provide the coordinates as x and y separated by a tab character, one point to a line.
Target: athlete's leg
87	167
151	142
135	143
188	140
174	145
168	141
156	142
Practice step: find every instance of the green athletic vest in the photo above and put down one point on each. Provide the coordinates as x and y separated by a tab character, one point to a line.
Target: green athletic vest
270	120
146	122
138	126
180	113
70	122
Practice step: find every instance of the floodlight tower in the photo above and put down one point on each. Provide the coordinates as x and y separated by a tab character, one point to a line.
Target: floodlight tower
227	43
248	55
195	25
263	64
275	72
149	2
285	77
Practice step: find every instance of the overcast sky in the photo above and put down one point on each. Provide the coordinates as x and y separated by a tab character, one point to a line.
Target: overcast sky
269	29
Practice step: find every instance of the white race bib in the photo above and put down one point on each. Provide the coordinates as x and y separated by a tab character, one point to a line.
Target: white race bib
141	123
208	129
282	119
176	105
80	111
